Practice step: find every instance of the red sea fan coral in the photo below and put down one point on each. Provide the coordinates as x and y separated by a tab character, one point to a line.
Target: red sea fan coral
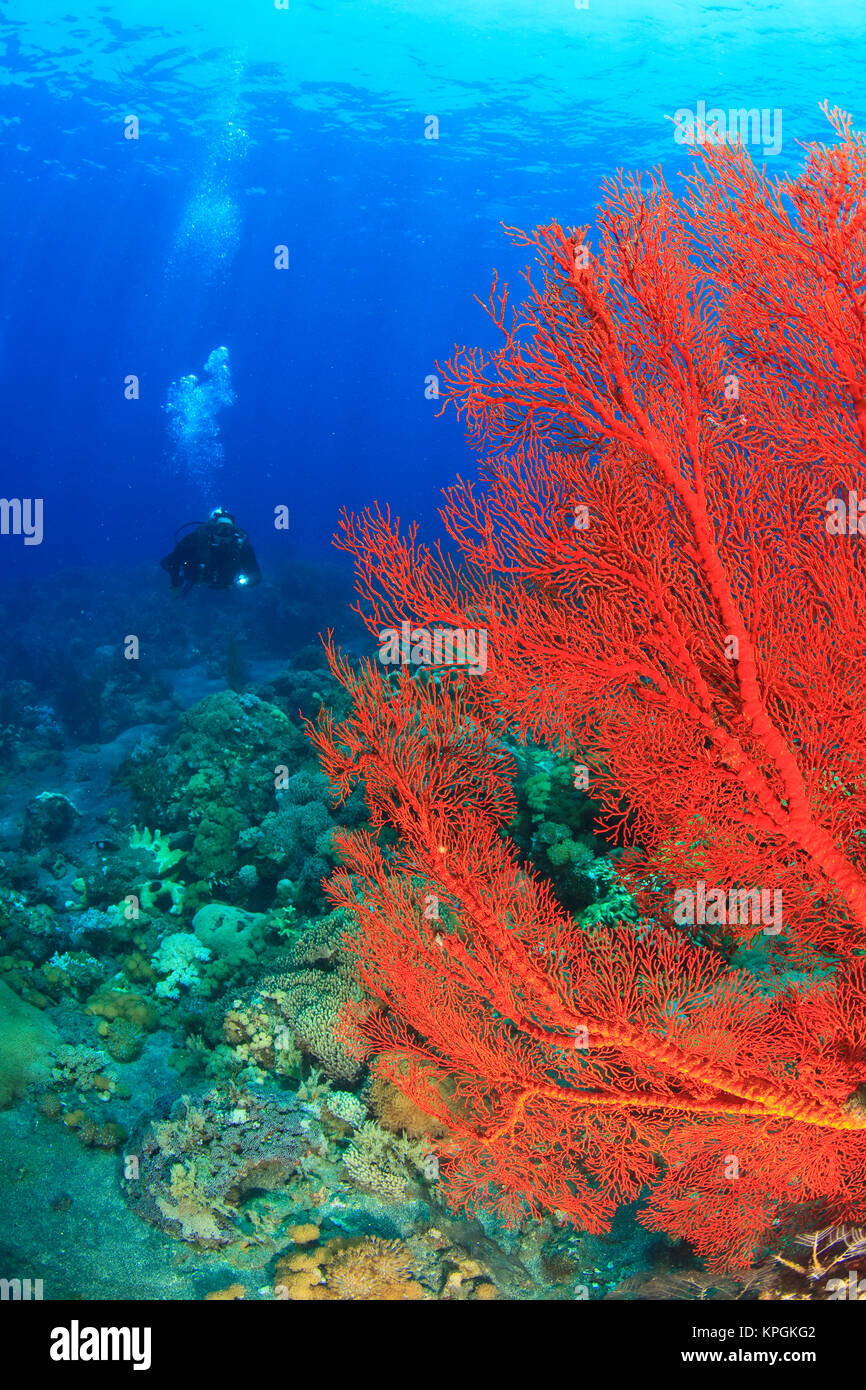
664	556
574	1070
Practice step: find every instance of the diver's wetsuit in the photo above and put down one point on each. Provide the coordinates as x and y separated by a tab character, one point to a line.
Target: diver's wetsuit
213	554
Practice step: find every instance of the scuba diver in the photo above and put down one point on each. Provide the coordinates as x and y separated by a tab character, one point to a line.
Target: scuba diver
217	553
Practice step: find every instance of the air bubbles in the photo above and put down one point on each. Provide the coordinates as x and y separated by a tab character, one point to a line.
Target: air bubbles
192	407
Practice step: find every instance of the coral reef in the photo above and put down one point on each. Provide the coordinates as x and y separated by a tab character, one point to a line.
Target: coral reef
194	1170
345	1106
426	1266
155	843
82	1069
824	1266
385	1163
123	1004
292	843
554	827
301	1004
368	1270
217	777
125	1021
302	1007
282	1150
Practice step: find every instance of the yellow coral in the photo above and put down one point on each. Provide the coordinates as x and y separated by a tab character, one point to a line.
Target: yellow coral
153	841
125	1004
367	1270
299	1278
306	1234
373	1270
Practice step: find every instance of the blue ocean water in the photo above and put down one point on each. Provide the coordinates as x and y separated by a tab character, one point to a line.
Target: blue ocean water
237	240
261	126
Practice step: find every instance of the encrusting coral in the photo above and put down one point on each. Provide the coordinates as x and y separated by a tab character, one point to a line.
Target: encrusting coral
110	1003
194	1170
